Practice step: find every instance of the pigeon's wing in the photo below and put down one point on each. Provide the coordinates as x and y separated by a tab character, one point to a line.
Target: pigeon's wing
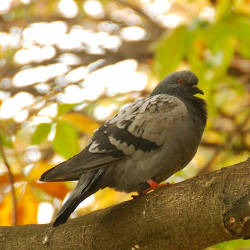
143	125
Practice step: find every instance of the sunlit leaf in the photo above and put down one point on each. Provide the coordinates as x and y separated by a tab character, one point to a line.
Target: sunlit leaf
65	107
170	51
66	139
242	6
195	55
223	53
231	245
6	210
83	122
41	133
223	9
58	189
27	205
4	179
240	27
38	169
5	140
55	189
220	43
106	197
210	56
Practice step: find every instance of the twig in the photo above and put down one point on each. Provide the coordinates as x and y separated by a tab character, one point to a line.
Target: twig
11	180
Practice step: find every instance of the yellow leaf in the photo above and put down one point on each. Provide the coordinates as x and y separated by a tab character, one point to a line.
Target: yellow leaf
38	170
81	121
213	137
27	205
4	179
6	210
106	197
56	189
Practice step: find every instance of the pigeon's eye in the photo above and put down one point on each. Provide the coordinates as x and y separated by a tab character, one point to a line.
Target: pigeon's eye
180	81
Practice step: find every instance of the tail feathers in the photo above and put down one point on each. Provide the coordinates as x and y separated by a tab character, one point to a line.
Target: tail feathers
67	209
85	187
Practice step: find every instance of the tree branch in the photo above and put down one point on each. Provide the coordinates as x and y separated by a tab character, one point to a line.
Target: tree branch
193	214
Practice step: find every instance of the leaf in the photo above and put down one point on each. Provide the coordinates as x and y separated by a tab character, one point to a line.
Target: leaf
5	140
232	245
221	44
212	48
41	133
83	122
66	139
170	51
27	205
4	179
106	197
240	26
6	210
38	169
65	107
223	9
58	189
223	53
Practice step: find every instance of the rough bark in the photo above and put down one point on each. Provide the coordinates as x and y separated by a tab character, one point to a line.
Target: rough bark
194	214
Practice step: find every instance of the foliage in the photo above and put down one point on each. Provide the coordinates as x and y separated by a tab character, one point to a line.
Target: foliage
212	40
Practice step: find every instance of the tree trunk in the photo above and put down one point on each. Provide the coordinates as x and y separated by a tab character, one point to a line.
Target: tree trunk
194	214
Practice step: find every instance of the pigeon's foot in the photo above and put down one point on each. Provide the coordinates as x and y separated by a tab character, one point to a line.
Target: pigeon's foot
154	185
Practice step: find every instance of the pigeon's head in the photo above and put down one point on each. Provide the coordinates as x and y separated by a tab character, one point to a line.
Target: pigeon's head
180	83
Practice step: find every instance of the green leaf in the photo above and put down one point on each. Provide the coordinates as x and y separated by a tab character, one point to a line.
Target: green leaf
170	51
66	139
5	140
212	49
232	245
65	107
223	53
195	53
240	27
223	9
41	133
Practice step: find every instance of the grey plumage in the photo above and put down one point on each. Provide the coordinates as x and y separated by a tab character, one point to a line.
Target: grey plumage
152	138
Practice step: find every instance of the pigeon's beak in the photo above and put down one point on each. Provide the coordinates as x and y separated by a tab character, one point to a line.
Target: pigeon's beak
197	90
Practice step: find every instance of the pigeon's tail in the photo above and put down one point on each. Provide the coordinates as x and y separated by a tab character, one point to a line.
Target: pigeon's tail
66	210
86	186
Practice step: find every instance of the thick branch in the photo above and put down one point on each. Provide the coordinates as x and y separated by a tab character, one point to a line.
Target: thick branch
193	214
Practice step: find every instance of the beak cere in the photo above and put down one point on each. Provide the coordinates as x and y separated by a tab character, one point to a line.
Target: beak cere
197	90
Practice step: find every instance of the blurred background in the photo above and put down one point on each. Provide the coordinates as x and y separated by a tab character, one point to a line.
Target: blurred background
66	66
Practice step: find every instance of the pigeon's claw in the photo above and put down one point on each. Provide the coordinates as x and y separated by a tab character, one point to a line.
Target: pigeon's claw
154	185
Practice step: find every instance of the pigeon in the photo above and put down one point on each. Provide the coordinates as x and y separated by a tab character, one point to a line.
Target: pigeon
141	146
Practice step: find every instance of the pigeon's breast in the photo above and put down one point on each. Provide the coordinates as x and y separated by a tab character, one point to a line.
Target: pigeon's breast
179	151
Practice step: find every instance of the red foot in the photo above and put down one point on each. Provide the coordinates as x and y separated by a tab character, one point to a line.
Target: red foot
154	185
